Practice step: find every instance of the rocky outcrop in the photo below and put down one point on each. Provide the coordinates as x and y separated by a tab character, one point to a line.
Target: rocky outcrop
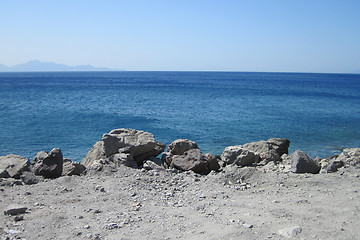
193	160
270	150
330	165
128	147
185	155
350	156
72	168
239	155
303	163
180	146
13	166
48	165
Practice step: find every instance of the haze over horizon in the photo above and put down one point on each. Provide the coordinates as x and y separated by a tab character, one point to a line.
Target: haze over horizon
139	35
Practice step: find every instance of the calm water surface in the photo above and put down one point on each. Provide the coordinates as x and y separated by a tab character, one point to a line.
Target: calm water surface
319	113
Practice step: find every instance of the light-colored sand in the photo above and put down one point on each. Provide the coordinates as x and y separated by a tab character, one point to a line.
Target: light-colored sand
238	203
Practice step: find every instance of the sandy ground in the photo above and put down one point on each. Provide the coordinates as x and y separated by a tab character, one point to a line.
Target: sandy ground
237	203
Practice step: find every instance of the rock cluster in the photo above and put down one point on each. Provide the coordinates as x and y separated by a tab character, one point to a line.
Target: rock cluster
185	155
44	165
139	149
127	147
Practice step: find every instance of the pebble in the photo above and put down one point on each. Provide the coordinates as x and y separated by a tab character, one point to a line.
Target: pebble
290	232
15	209
100	188
248	225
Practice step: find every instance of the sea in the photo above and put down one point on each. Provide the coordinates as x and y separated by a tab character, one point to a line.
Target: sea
319	113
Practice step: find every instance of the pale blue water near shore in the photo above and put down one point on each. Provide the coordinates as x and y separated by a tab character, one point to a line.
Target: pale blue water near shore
319	113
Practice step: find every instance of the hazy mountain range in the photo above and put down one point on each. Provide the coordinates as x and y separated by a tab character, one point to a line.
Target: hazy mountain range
38	66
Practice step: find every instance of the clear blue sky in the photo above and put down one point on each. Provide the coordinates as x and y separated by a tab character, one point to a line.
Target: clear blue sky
223	35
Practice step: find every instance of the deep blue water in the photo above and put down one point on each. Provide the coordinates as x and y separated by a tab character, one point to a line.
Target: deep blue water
319	113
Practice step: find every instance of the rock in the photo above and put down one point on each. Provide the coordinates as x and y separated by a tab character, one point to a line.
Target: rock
72	168
167	158
330	165
30	178
136	145
191	160
49	165
270	150
213	163
180	146
350	156
290	232
125	159
153	164
239	156
303	163
140	144
15	209
13	166
97	152
248	225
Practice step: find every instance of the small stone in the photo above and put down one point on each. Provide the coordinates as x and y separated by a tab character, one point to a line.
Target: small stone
15	209
290	232
100	188
248	225
18	218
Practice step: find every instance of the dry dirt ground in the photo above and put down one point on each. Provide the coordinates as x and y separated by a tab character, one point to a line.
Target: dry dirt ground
236	203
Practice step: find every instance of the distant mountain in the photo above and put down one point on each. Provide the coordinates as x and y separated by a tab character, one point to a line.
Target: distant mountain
38	66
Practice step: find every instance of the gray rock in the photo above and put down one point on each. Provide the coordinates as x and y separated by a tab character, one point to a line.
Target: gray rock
330	165
49	165
270	150
239	156
96	153
72	168
350	156
125	159
15	209
180	146
167	158
13	166
290	232
213	163
154	164
30	178
192	160
303	163
139	145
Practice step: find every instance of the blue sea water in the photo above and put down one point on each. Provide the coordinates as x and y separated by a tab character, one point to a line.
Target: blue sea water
319	113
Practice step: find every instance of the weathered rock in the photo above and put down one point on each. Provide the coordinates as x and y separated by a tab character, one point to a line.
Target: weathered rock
154	164
49	165
350	156
270	150
30	178
72	168
167	158
13	166
213	163
290	232
303	163
139	144
180	146
193	160
125	159
239	156
330	165
15	209
96	153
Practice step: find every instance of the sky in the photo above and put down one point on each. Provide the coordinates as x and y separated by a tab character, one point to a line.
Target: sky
194	35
